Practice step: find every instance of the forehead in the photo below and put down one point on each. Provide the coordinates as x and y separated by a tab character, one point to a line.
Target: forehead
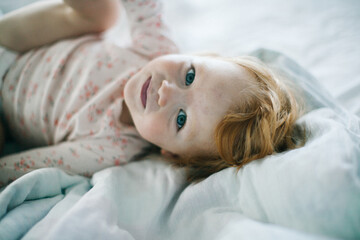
219	85
218	88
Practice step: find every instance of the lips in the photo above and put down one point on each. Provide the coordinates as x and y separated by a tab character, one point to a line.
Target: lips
144	92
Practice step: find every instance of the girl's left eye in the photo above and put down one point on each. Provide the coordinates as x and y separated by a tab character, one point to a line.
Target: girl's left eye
190	76
180	120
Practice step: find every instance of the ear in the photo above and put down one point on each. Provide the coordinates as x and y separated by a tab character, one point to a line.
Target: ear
168	154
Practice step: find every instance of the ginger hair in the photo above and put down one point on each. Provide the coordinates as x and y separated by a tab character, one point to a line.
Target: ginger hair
264	123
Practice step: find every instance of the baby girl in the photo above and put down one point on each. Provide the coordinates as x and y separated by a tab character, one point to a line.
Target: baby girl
82	103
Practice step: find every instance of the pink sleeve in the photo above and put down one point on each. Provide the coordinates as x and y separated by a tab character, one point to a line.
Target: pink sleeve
83	157
150	36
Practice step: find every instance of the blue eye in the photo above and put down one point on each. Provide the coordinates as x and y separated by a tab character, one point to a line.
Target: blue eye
181	119
190	76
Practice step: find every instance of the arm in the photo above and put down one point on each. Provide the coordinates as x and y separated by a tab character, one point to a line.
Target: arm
83	157
149	33
46	22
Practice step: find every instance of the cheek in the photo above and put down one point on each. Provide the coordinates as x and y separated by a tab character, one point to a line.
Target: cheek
129	94
152	129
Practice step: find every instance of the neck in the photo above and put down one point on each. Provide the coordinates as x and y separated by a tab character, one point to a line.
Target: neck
125	116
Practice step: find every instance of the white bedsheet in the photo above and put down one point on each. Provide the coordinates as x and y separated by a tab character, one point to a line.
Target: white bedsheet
308	193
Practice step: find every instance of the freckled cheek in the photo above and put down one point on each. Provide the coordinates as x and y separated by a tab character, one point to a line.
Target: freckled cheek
153	130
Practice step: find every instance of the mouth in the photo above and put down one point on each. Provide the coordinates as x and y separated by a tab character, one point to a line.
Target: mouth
144	92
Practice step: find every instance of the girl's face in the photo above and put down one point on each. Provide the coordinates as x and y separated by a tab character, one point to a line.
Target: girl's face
176	101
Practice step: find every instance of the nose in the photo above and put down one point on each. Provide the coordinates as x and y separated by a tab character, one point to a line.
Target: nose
167	92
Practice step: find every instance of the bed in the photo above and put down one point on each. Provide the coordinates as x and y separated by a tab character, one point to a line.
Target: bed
309	193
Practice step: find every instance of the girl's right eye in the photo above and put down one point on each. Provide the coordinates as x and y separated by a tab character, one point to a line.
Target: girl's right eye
180	120
190	76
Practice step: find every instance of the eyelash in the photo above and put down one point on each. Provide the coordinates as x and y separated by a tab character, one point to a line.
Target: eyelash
181	117
189	81
181	120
